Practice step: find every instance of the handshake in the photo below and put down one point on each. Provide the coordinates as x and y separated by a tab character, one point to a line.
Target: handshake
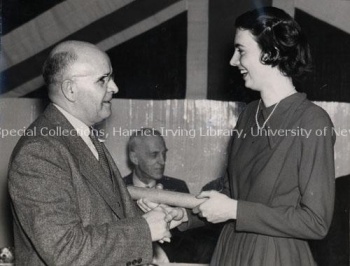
215	207
161	218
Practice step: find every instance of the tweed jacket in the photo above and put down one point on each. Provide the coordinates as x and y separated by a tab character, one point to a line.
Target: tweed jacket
66	211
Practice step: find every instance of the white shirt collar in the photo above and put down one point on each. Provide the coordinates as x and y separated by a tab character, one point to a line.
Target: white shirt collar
138	183
82	129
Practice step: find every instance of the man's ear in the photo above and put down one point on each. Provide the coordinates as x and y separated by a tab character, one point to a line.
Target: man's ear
69	90
133	158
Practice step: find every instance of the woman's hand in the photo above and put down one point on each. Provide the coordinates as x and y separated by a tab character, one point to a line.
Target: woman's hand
218	208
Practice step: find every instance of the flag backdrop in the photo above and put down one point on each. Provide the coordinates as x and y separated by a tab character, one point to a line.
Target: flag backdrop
167	49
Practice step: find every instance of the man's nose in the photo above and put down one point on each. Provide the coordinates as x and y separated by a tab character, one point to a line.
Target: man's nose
113	87
161	159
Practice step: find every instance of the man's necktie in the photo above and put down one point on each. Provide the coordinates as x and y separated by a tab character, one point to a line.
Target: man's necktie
101	154
103	160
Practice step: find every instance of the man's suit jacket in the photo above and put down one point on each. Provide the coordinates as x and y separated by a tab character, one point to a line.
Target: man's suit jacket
65	209
169	183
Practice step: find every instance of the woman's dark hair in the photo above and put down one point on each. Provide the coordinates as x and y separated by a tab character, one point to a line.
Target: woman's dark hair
280	39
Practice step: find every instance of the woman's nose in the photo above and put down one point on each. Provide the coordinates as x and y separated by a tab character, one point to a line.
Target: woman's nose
235	59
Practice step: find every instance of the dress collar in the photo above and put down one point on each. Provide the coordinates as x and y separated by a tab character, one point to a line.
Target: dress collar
281	118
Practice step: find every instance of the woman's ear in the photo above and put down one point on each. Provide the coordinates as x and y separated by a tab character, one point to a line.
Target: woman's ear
69	90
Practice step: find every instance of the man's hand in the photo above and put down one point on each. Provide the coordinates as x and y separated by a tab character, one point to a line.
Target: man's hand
174	215
159	255
159	227
146	205
218	208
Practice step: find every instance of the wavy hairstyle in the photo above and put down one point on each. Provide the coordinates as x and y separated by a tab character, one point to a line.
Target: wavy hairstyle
280	39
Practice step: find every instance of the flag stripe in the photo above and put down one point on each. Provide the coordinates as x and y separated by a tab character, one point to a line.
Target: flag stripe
336	14
112	41
94	33
16	13
53	26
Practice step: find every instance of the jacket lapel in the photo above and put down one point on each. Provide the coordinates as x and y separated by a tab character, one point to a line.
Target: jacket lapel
89	167
129	206
93	172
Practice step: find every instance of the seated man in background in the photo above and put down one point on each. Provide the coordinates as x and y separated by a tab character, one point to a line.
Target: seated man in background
147	155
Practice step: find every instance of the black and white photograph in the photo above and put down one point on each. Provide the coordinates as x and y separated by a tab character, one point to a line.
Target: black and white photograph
175	132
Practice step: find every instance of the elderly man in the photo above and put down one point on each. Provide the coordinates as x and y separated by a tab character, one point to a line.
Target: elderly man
70	205
147	154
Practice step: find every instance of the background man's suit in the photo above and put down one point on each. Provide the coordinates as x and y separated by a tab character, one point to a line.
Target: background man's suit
78	216
169	183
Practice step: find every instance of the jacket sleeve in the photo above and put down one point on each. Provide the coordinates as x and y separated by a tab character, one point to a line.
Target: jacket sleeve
184	187
312	215
46	204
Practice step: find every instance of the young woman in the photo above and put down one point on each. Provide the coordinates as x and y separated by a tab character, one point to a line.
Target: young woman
281	170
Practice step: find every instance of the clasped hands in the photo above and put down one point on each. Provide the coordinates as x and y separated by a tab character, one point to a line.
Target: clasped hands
216	208
161	218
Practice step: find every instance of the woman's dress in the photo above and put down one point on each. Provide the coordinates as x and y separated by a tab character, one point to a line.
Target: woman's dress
283	180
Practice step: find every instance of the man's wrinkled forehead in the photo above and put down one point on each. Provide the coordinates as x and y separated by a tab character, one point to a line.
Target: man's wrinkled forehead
71	46
84	51
153	142
90	62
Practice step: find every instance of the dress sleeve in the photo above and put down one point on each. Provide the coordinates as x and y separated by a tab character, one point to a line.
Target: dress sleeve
46	206
311	217
227	189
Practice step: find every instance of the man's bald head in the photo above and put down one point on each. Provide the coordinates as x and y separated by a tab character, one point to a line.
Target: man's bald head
61	59
79	77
